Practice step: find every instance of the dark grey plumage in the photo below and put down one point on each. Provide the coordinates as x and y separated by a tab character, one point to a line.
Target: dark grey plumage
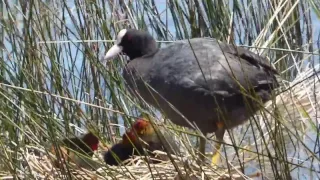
203	79
175	74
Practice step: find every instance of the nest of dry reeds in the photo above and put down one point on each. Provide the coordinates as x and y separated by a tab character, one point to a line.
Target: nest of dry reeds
41	167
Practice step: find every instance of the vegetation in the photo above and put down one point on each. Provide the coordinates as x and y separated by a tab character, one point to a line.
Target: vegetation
53	86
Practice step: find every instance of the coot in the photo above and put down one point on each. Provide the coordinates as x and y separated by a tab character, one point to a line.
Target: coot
123	150
83	146
198	83
141	135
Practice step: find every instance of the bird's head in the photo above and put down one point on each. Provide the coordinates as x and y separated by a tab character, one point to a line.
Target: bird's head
143	127
134	43
91	140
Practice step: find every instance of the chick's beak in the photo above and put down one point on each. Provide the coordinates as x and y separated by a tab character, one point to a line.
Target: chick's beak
112	52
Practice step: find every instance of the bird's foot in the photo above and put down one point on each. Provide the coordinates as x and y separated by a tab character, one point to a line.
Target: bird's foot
216	156
215	159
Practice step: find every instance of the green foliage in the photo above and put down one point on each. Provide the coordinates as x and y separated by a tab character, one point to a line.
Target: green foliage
52	83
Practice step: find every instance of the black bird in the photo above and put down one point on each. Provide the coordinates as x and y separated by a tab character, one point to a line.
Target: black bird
123	150
141	135
118	153
214	85
85	145
151	140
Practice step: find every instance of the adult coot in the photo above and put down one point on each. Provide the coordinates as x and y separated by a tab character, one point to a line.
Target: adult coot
199	83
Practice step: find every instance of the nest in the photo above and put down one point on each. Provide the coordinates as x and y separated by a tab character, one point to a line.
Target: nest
41	167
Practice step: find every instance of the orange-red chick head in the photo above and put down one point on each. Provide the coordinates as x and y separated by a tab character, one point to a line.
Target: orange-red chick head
143	127
140	128
91	140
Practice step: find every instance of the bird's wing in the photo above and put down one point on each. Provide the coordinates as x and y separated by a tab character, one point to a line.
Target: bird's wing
208	67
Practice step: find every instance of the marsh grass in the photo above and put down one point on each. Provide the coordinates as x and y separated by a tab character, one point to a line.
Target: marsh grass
53	86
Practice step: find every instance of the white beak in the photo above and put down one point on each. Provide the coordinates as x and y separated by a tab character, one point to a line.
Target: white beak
112	52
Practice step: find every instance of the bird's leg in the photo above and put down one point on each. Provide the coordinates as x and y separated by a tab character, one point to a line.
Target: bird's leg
202	149
219	136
